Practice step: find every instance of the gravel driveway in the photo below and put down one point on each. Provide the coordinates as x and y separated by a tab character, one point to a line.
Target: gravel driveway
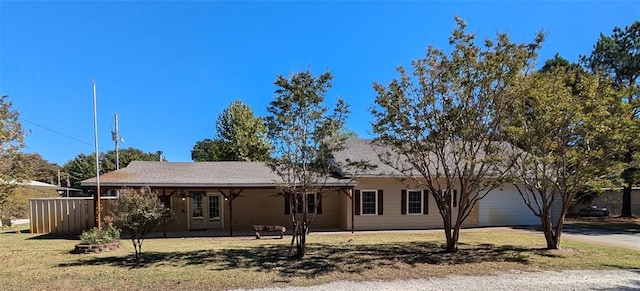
557	281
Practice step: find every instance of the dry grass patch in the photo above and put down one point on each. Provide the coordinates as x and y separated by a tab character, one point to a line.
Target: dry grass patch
33	262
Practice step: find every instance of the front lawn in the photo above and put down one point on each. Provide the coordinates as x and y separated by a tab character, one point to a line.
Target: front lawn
39	263
618	224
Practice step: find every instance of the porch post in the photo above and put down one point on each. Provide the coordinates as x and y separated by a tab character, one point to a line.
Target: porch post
353	208
230	217
232	196
164	217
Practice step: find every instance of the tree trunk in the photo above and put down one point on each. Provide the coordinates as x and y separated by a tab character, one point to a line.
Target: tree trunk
626	201
300	231
452	240
137	248
551	238
301	241
559	227
451	234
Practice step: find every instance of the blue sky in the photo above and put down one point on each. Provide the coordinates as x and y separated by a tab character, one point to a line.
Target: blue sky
168	68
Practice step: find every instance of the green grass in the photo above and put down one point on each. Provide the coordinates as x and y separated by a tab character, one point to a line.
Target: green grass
15	228
39	263
630	225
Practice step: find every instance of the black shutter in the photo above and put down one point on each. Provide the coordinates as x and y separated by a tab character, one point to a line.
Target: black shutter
287	204
403	202
380	206
455	198
319	201
425	201
357	201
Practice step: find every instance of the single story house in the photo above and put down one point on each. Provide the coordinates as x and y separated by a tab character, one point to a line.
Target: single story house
237	195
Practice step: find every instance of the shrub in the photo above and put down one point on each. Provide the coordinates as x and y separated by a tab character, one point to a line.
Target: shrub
95	236
137	212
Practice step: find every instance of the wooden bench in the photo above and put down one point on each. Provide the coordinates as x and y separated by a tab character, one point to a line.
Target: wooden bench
269	228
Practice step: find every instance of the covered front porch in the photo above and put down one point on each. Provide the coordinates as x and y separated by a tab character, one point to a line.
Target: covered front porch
232	211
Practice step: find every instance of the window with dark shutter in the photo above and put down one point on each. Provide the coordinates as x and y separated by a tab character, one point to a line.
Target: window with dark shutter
319	208
287	204
455	198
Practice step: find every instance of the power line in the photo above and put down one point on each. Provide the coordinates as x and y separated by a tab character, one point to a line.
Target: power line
58	132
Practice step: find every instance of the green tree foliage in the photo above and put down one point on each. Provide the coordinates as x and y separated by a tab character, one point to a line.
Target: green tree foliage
137	213
17	200
439	125
11	140
304	132
36	168
209	150
240	136
558	62
126	156
618	56
565	134
83	166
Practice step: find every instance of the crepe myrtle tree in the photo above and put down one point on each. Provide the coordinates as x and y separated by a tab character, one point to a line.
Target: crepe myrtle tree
304	133
440	124
618	57
565	138
137	213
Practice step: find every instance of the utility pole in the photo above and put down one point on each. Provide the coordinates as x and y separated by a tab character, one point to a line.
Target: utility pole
116	138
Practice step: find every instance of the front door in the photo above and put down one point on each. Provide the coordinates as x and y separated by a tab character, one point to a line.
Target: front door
205	210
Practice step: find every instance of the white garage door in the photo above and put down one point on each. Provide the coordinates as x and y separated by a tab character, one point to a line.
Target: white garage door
505	207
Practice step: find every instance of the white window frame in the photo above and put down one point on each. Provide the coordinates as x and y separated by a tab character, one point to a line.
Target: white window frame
200	195
315	207
375	197
421	202
220	200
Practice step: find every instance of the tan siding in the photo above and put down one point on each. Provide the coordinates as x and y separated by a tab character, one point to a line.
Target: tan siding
178	219
392	218
264	207
344	214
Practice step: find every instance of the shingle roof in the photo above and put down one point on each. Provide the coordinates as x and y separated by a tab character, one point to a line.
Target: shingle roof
193	174
358	149
366	150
